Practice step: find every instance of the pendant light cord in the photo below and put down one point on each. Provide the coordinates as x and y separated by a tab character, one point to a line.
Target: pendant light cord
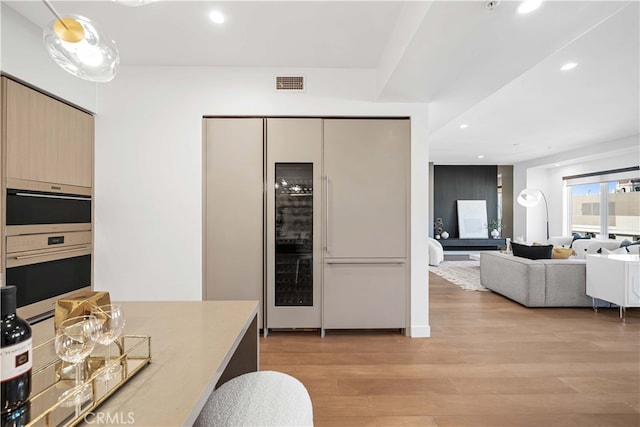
55	12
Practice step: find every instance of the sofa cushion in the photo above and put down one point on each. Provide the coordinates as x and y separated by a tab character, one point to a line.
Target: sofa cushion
578	236
584	247
562	253
531	252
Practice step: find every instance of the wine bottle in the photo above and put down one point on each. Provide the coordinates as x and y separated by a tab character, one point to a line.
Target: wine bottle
15	343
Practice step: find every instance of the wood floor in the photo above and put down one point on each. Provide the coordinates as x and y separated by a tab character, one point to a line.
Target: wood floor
489	362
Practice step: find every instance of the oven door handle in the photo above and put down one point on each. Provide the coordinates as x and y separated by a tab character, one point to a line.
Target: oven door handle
53	196
20	257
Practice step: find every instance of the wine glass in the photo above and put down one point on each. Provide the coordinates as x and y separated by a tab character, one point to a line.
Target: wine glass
74	341
110	325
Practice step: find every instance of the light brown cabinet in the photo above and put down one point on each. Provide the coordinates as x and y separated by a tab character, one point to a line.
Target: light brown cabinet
366	173
233	210
366	165
46	140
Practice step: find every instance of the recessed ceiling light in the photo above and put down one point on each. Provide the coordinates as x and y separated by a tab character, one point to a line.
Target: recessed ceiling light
568	66
529	6
216	16
481	156
464	126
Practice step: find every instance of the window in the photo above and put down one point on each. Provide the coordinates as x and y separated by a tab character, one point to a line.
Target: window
585	212
623	221
605	205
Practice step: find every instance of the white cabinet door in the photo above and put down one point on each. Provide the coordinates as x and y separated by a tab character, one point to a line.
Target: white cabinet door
233	216
361	295
366	164
633	284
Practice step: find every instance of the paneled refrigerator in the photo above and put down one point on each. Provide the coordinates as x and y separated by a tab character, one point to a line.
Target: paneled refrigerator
365	262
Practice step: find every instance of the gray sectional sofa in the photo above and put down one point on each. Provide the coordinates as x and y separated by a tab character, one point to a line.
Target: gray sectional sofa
536	283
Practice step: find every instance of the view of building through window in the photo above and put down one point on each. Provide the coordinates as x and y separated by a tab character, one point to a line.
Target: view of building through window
622	201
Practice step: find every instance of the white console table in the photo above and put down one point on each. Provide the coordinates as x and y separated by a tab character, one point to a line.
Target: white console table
614	278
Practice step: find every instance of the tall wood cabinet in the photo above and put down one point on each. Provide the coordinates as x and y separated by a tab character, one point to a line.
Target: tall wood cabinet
47	140
316	211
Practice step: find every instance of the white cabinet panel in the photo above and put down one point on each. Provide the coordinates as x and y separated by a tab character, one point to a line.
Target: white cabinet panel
366	163
614	278
362	295
233	209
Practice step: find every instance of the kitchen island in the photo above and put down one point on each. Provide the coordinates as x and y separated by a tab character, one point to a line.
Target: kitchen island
195	347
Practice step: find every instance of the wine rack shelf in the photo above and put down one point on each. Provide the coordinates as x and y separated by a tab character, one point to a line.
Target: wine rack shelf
294	235
51	377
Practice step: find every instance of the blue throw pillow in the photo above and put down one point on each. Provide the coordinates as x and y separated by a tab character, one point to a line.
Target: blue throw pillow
532	252
626	243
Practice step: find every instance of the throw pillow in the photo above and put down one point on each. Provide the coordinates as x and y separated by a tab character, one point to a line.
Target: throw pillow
531	252
634	249
562	253
605	251
626	243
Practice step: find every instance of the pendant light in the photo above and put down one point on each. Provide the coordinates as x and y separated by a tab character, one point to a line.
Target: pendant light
76	45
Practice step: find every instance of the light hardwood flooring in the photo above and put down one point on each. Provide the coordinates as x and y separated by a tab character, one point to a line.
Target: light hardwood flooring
489	362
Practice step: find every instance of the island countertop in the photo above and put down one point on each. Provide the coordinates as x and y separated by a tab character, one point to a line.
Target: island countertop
193	345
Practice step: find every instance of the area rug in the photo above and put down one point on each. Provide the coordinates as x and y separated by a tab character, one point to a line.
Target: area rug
465	274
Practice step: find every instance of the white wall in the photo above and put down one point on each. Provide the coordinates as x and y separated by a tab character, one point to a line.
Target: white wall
23	56
148	241
546	174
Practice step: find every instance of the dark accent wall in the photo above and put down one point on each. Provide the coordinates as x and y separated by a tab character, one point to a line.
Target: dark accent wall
506	173
452	183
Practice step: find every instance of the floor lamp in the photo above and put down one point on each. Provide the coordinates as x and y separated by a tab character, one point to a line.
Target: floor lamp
530	197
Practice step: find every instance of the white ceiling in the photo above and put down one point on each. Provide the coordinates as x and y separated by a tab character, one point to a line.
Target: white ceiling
495	70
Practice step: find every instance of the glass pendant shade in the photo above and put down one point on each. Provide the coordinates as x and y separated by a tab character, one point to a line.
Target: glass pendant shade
81	49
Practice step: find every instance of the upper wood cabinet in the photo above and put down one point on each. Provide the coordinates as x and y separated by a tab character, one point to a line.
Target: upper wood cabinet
46	140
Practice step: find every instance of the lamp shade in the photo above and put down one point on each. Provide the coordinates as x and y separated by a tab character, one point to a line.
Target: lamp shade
76	45
529	197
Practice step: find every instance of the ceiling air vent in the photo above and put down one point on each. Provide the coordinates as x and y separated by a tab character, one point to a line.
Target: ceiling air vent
294	84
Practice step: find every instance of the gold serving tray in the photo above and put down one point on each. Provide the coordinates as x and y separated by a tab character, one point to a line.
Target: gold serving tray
51	377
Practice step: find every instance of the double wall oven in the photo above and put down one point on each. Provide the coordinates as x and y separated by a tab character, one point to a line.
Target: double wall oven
48	245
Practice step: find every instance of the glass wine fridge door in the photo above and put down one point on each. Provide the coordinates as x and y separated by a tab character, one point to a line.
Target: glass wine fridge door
293	284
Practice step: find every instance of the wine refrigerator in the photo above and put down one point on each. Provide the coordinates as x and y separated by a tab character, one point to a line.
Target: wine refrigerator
293	224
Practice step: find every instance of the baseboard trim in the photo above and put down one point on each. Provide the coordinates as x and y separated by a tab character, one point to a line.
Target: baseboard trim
419	331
